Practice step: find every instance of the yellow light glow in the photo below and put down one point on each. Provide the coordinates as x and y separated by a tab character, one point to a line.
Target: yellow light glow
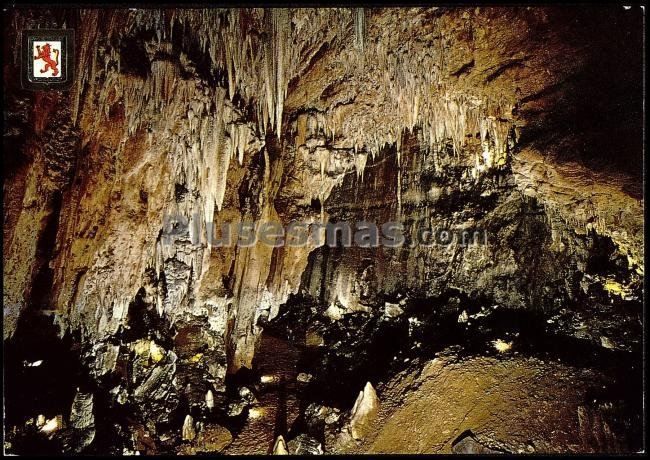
141	347
156	352
255	412
614	287
52	425
267	378
502	346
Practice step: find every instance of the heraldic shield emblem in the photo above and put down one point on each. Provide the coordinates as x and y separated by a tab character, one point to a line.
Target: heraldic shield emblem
47	59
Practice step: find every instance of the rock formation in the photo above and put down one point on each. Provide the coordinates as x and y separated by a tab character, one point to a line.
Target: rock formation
280	447
364	411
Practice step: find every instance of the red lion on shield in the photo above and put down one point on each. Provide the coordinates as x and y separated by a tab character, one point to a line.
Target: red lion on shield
45	54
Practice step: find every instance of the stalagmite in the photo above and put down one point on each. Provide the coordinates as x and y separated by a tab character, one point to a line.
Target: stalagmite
82	419
280	447
188	432
364	412
209	399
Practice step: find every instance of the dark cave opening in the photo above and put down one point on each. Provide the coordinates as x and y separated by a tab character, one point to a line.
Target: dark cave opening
42	373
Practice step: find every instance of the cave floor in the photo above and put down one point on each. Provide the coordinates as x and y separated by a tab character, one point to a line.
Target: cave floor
516	404
507	402
277	406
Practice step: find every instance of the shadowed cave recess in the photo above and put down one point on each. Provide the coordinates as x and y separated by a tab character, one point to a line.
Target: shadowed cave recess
127	331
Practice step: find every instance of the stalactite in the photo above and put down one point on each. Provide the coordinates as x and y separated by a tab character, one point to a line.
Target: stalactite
360	160
280	18
258	53
323	159
359	27
399	192
399	148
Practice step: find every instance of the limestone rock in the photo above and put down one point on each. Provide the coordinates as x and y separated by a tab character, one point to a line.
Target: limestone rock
82	420
280	447
52	425
364	412
304	377
466	443
188	430
392	310
209	399
314	339
304	445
